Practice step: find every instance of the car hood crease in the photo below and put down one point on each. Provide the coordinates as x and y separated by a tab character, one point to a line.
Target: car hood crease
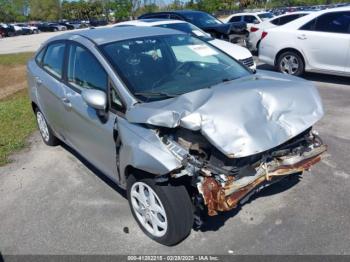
241	117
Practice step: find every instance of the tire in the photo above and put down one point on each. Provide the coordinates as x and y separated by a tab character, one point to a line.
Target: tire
291	63
174	209
55	29
257	47
45	131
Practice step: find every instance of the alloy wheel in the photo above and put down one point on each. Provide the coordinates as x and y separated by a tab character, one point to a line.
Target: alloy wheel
289	64
149	209
44	130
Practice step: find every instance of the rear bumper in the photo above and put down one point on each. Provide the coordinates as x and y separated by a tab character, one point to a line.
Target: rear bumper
225	197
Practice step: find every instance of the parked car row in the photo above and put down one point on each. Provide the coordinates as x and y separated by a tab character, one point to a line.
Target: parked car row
8	30
15	29
283	10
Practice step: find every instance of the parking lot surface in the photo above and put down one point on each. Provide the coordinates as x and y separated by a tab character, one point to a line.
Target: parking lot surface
53	203
25	43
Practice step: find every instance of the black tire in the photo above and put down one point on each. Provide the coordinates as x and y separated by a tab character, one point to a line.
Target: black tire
178	208
290	56
51	139
257	47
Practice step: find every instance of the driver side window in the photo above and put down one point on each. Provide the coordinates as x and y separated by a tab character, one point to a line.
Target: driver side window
84	70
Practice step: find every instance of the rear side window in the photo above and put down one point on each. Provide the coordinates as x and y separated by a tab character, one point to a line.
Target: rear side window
236	19
288	18
53	60
335	22
84	70
275	21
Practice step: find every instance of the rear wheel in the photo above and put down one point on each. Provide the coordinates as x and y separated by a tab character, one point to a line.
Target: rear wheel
45	130
163	212
291	63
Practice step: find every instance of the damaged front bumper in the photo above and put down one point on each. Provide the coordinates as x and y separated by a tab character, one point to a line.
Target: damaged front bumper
224	196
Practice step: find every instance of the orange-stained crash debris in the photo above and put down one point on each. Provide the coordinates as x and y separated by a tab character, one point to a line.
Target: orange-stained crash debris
225	197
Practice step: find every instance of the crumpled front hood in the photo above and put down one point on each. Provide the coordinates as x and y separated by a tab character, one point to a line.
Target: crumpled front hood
242	117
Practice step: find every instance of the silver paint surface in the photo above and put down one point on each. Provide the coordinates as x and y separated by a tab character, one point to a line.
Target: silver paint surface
241	117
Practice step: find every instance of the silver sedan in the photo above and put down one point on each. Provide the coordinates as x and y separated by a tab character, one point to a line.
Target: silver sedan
187	130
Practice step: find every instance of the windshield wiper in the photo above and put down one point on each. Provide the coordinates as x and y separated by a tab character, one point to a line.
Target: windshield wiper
153	94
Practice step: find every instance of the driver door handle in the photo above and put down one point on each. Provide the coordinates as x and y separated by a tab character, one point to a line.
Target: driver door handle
38	81
66	102
302	37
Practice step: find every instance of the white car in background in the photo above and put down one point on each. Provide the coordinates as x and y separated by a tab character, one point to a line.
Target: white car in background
31	28
318	42
255	31
250	18
237	52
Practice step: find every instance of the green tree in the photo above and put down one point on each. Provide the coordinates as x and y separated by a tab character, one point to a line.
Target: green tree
209	6
122	9
44	9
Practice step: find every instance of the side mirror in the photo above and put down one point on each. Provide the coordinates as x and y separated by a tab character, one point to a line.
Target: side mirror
256	21
95	98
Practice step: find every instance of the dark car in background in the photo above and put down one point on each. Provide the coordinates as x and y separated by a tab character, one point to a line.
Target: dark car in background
71	25
229	31
10	30
2	32
98	22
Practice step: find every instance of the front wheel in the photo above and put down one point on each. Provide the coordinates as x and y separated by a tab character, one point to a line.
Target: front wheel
163	212
291	63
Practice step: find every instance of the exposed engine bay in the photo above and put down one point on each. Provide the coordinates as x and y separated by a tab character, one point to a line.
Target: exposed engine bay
235	138
223	182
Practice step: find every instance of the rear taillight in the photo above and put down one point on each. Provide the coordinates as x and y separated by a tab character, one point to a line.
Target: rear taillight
263	35
253	29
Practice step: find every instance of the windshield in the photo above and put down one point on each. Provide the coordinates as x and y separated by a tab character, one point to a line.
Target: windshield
159	67
202	19
264	16
188	28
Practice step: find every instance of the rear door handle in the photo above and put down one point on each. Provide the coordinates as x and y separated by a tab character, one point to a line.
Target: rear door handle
302	37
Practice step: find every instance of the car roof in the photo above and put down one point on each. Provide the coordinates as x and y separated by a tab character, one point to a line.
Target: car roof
150	22
105	35
251	13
